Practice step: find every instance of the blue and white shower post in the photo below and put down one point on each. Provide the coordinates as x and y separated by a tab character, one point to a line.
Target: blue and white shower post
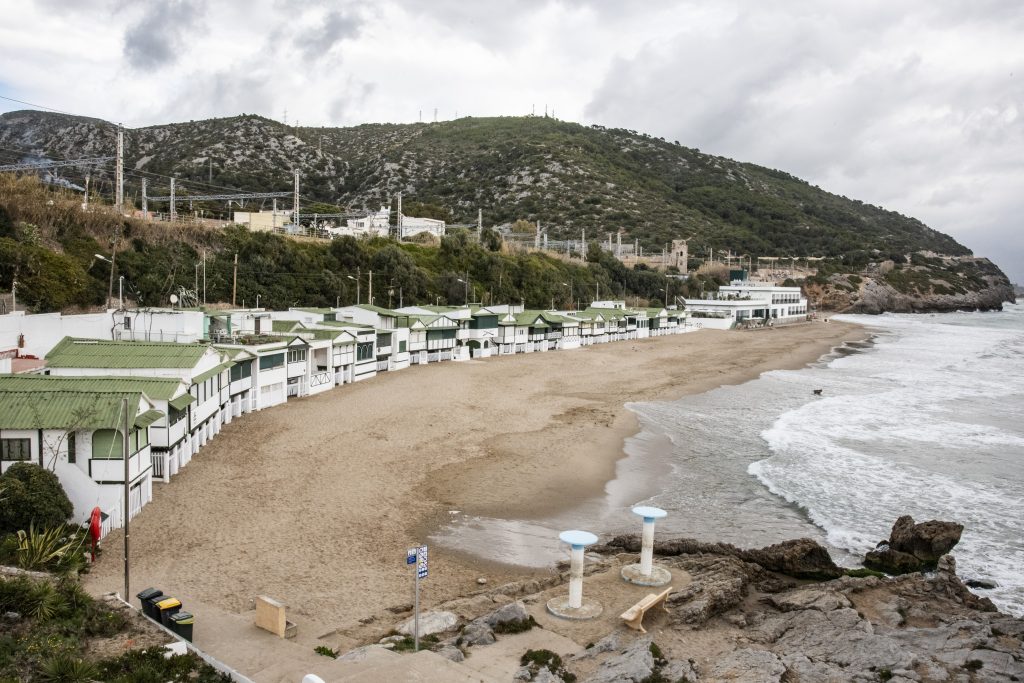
645	573
418	557
573	606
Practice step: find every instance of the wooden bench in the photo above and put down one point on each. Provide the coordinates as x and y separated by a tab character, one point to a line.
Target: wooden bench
634	616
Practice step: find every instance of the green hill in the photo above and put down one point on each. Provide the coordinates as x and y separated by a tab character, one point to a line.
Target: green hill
568	176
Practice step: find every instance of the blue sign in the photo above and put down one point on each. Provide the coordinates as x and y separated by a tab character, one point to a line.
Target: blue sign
421	564
410	556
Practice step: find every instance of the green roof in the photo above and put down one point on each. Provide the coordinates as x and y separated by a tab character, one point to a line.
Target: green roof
285	325
97	353
343	323
212	372
180	402
158	389
428	319
321	311
386	312
147	418
63	409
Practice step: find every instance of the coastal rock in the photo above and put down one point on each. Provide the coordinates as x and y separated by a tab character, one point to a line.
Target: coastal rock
632	665
451	653
361	653
748	666
914	547
609	643
810	598
430	623
719	584
927	541
801	558
513	611
477	633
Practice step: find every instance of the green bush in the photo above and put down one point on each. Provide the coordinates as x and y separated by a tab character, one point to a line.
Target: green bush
325	651
32	495
515	625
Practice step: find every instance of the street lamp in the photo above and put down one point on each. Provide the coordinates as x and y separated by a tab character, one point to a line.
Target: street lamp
465	299
357	288
110	286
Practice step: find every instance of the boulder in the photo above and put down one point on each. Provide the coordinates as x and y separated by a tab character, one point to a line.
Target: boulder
451	652
927	541
477	633
513	611
430	623
801	558
913	547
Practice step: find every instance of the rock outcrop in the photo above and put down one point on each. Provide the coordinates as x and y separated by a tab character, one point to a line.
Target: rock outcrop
801	558
913	547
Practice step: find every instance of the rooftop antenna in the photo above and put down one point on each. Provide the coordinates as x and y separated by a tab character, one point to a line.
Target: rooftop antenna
421	116
435	114
286	116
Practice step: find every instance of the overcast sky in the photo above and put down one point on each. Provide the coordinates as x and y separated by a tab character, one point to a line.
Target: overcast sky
917	105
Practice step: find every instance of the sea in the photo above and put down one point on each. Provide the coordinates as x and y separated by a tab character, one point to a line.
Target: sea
925	417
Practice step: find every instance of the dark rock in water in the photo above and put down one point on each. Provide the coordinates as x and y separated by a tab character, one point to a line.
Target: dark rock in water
927	541
982	584
914	547
885	559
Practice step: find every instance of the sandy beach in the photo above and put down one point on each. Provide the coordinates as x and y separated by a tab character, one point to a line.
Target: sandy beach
315	502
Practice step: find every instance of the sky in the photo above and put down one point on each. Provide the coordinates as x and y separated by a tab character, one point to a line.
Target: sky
917	106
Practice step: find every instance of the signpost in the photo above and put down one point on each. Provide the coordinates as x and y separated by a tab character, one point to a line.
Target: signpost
418	557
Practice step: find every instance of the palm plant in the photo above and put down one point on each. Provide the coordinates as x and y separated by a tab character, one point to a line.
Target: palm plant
55	549
64	669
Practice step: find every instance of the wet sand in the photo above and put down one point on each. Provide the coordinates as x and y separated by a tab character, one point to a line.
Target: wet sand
315	502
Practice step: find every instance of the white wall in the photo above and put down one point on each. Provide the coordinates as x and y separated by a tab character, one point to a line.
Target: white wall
42	331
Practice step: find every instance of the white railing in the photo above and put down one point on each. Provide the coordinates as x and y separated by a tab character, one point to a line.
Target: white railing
383	365
293	390
319	379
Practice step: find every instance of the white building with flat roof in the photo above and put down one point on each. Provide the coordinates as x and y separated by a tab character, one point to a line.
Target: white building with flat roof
748	304
411	226
376	224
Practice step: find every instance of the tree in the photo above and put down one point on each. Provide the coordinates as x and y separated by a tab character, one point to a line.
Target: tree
33	495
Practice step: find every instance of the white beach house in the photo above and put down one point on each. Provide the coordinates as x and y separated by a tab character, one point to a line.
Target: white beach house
78	435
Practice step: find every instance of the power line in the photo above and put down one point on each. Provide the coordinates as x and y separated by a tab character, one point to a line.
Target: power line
40	106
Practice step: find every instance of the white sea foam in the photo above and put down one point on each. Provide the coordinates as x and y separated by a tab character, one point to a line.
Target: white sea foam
929	424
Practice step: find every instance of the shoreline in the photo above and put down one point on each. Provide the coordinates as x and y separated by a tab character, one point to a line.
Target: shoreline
315	501
585	482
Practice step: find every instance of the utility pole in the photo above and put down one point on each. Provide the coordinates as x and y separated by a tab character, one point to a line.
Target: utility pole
127	496
145	201
583	245
359	280
295	198
14	295
87	190
204	277
398	217
234	282
174	214
479	219
209	178
369	299
119	199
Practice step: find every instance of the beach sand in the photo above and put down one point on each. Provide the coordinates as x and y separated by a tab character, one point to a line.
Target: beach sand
315	502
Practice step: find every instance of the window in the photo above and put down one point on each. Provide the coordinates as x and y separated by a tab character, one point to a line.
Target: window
71	448
127	323
364	351
106	444
296	355
12	450
401	347
174	416
241	371
270	362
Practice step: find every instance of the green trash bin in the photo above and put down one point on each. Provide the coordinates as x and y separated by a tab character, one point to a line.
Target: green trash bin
182	623
166	607
146	600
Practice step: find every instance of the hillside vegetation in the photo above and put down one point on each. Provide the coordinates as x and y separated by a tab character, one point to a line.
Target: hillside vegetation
49	245
568	176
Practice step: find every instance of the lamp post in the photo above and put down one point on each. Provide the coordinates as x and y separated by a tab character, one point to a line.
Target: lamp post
357	287
465	298
111	261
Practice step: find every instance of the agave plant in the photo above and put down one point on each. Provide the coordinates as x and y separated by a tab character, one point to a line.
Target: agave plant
49	548
64	669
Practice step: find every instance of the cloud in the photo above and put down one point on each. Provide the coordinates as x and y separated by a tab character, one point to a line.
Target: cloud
336	26
157	38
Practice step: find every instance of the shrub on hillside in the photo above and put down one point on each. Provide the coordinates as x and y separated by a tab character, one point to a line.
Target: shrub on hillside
32	495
